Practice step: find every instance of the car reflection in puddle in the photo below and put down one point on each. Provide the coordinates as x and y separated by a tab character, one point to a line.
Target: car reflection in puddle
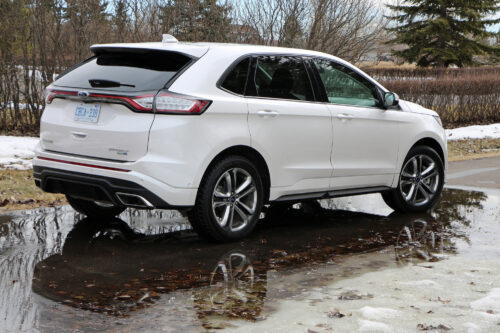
108	267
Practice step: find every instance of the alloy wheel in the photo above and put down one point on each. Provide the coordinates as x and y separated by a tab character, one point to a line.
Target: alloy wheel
234	199
419	180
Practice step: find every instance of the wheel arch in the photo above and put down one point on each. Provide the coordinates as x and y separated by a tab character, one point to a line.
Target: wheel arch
427	140
252	155
432	143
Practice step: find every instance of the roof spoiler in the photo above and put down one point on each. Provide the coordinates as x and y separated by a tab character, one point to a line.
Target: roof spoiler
190	50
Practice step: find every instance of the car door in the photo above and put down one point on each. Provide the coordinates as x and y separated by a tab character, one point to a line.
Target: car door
365	136
288	126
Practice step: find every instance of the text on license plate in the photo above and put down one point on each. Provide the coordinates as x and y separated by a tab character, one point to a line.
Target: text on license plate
87	113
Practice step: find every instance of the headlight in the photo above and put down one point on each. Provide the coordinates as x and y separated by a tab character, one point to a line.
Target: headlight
438	119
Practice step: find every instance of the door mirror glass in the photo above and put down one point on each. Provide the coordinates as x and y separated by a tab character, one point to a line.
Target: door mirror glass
391	99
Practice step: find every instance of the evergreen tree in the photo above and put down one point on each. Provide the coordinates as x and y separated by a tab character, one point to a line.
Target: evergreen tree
88	22
441	33
291	32
197	20
120	20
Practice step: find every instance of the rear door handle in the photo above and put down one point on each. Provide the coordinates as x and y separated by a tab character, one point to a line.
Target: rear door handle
79	135
268	113
345	116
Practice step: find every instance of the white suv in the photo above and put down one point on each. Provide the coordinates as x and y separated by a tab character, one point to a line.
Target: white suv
223	130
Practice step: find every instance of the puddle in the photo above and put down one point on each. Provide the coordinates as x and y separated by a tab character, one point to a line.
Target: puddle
308	268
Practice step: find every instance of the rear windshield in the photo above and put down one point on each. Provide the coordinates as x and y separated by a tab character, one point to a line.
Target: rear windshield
134	70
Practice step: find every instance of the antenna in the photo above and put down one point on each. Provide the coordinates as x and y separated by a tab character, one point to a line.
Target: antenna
166	38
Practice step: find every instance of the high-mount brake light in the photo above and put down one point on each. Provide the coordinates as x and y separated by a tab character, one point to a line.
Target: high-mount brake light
171	103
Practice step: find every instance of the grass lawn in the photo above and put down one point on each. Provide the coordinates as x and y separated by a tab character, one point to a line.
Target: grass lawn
18	190
460	150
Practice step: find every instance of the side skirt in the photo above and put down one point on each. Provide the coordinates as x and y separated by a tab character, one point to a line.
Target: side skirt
331	194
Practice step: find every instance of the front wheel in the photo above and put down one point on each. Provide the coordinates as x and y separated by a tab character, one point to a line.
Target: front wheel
420	182
229	200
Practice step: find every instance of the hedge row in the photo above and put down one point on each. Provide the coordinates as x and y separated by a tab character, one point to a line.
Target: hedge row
416	73
461	96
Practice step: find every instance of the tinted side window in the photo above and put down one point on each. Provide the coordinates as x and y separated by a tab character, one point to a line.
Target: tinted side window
345	86
136	70
236	80
283	78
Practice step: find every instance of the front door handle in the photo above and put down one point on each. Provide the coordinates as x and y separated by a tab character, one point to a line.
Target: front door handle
345	116
268	113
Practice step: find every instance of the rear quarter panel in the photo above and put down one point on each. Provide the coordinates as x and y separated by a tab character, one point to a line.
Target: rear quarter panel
181	147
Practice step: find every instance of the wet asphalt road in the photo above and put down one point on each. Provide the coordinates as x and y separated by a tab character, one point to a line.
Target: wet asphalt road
147	271
481	173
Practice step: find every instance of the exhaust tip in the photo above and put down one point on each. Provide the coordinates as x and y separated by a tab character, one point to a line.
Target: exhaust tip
134	200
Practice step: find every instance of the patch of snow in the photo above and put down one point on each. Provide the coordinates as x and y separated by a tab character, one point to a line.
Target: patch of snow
21	106
490	302
474	132
373	326
378	313
17	152
38	74
471	327
421	283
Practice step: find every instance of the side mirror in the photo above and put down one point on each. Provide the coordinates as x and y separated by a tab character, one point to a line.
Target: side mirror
391	99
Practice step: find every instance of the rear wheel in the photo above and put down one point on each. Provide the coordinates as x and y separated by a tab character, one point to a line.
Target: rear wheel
94	208
420	182
229	200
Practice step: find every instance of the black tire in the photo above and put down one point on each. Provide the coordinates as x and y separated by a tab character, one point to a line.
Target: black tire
424	185
203	215
388	199
92	209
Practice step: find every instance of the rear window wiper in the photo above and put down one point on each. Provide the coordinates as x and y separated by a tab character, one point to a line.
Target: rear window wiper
99	83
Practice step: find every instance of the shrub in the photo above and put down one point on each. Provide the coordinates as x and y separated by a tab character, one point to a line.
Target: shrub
463	96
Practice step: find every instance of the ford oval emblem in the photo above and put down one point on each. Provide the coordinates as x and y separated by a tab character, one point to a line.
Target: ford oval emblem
83	94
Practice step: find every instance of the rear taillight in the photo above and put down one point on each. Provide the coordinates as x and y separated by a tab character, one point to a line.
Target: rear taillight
166	103
180	104
50	94
46	95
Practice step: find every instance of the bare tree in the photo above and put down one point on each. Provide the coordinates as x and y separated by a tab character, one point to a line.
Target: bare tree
40	38
345	28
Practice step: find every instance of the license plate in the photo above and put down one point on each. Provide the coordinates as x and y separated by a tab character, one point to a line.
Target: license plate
87	113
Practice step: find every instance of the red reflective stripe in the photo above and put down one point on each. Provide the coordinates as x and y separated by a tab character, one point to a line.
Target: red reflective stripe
127	99
82	164
64	92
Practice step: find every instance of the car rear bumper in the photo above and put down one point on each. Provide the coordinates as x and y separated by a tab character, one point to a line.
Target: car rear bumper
106	181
